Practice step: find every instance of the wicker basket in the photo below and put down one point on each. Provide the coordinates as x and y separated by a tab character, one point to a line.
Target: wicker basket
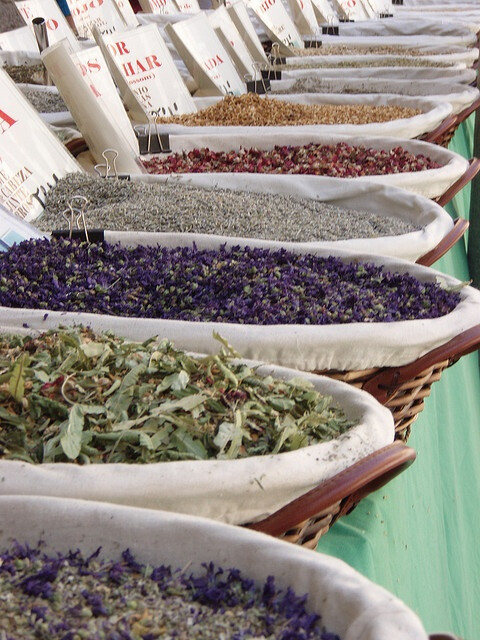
304	520
404	389
445	131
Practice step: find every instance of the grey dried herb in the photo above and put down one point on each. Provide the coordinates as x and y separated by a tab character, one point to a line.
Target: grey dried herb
72	395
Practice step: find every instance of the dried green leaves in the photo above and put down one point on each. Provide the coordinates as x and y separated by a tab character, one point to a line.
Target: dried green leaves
71	395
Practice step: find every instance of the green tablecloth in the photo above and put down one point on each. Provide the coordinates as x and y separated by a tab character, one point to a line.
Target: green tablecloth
418	535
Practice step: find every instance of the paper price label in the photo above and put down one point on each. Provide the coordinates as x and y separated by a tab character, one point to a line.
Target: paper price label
32	159
351	9
188	6
324	11
205	56
91	110
18	40
57	26
303	16
143	65
14	230
102	14
127	13
277	23
161	7
95	73
232	41
238	12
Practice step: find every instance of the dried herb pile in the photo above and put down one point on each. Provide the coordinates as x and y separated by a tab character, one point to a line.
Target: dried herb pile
252	110
70	596
339	160
240	285
72	395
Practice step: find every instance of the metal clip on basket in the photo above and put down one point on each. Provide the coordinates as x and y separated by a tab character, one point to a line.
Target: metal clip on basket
304	520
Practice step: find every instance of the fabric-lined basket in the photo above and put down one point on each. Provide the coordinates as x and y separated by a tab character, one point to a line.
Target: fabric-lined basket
395	361
351	606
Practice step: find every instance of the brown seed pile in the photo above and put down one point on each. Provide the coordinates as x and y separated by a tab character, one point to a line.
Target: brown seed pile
251	110
380	62
346	49
25	74
10	17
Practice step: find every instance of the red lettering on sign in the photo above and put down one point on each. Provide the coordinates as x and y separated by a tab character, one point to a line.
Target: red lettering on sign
6	121
118	47
211	63
51	24
132	68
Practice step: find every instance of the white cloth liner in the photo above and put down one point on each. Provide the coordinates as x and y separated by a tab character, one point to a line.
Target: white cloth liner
438	74
349	194
306	347
433	113
423	26
459	96
430	183
234	491
349	603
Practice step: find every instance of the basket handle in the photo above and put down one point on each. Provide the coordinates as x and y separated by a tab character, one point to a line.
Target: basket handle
463	115
350	485
457	186
460	225
437	133
384	383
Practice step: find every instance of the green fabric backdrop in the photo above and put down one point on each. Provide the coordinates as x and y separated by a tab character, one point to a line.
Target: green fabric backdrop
418	536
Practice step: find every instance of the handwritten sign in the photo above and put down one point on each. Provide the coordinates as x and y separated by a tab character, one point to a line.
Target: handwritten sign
94	109
232	41
57	26
32	159
142	64
205	56
102	14
277	23
188	6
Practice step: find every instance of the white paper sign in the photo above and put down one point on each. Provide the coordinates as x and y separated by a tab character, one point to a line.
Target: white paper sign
324	11
239	15
351	9
95	73
127	13
205	56
141	61
90	108
13	230
303	16
161	7
18	40
32	159
57	26
277	23
188	6
232	41
102	14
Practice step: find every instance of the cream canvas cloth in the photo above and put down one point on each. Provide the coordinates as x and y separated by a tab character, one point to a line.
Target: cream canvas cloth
433	113
360	195
350	605
234	491
438	74
306	347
